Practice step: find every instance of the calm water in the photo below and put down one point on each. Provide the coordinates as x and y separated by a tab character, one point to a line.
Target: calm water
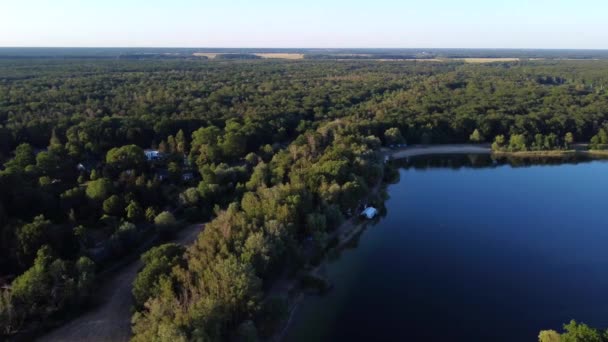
472	254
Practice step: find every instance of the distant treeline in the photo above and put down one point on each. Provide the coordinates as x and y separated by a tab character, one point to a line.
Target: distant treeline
177	53
141	56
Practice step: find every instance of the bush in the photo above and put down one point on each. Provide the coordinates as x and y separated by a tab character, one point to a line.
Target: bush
165	224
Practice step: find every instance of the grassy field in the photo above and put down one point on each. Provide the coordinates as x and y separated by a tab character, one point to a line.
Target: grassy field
298	56
293	56
281	55
205	54
490	60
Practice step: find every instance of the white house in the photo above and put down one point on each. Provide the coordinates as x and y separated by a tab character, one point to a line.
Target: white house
152	154
369	212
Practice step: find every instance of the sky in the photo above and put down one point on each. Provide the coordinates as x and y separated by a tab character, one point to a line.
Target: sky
560	24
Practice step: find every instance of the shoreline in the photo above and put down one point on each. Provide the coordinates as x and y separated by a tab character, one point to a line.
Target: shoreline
424	150
351	227
554	154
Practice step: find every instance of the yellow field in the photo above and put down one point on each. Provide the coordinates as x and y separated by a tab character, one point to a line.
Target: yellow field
212	55
205	54
281	55
490	60
295	56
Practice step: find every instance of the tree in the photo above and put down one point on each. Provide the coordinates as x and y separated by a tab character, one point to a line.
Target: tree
549	336
165	223
93	176
499	143
175	171
31	290
10	317
182	144
569	139
189	198
126	233
24	156
600	139
54	141
51	163
577	332
113	205
539	142
31	237
85	269
99	190
476	137
393	136
158	262
165	219
234	286
574	332
150	214
134	211
126	157
517	142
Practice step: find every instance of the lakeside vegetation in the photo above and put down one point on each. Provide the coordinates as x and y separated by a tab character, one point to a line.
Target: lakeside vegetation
275	155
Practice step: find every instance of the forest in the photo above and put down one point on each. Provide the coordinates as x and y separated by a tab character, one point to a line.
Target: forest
101	156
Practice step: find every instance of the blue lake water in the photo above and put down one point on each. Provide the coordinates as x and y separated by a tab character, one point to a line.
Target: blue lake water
491	253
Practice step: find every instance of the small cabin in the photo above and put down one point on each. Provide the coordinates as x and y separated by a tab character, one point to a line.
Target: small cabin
369	212
152	154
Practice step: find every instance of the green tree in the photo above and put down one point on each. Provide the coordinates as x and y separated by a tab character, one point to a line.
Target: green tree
24	156
517	142
31	290
499	143
189	198
134	212
476	137
99	190
126	157
165	223
549	336
93	176
393	136
31	237
579	332
150	214
54	141
568	139
158	262
182	144
113	205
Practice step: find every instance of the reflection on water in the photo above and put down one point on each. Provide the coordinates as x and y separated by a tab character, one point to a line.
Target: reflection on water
485	161
471	249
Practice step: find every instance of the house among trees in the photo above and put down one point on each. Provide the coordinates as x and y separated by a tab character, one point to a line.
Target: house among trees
369	212
152	154
186	176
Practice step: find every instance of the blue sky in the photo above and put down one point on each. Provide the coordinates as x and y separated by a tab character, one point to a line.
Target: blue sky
311	23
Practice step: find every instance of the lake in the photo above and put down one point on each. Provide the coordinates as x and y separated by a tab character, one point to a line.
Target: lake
470	249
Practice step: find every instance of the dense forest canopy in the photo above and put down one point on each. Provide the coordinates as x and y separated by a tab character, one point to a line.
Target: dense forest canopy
100	155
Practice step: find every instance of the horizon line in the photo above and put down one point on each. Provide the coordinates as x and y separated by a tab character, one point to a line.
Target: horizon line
299	48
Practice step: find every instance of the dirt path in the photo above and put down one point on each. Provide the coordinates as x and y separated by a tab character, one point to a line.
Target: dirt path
111	321
438	149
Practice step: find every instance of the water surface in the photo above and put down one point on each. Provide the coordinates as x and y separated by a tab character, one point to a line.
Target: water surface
486	253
